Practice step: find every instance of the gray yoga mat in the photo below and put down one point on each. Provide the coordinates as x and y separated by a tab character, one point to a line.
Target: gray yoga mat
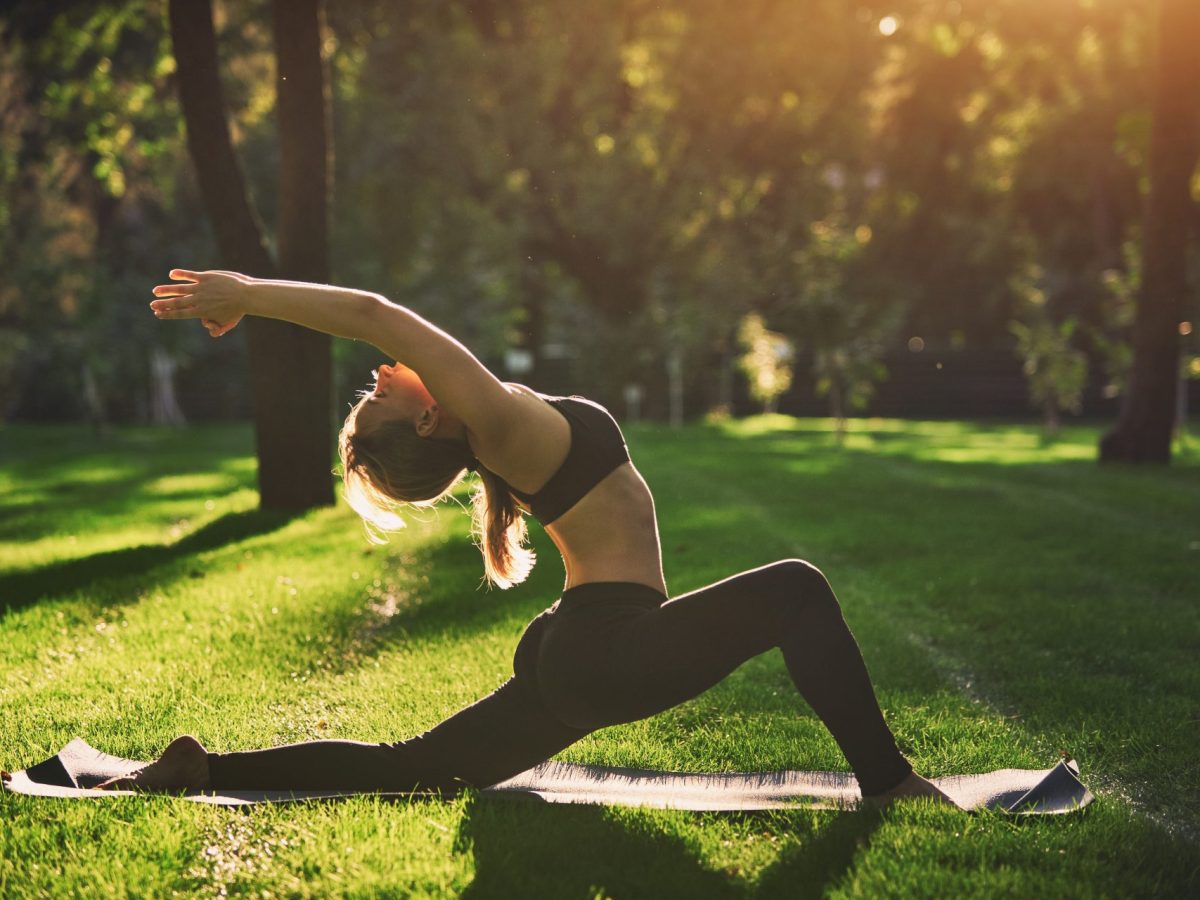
76	769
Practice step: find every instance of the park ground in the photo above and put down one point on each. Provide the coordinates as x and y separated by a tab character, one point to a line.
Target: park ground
1012	598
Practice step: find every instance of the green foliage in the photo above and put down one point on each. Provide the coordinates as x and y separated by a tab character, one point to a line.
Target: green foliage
607	186
1054	368
1112	337
847	375
843	317
99	204
13	347
766	361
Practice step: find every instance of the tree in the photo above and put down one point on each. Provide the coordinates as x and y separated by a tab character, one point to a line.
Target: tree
290	367
1143	430
1054	369
766	361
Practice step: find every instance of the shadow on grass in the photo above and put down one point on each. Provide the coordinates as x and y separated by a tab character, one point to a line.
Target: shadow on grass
813	868
447	602
20	589
526	848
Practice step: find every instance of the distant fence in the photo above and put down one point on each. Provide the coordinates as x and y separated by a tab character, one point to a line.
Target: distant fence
951	384
947	384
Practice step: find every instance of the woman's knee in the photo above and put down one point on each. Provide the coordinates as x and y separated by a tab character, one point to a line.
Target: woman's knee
799	583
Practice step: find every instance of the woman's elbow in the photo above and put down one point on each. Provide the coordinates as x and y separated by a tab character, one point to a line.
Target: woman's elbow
371	312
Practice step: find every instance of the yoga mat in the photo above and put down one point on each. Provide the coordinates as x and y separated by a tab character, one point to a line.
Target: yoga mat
76	769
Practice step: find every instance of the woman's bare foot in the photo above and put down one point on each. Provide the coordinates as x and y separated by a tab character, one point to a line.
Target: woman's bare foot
182	766
912	786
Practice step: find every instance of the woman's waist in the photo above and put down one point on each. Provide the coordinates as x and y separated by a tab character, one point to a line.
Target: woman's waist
625	592
620	572
613	554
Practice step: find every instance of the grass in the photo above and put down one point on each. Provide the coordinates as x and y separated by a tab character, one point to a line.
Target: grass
1012	600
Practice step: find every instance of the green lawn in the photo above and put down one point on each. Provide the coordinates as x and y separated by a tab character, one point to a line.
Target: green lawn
1012	600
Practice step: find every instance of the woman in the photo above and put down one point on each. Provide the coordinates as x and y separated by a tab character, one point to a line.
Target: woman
612	649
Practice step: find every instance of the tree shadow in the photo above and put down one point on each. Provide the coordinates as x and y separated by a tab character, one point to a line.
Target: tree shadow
448	603
523	847
813	868
19	589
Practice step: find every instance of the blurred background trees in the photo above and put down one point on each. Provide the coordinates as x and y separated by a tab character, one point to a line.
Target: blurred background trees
595	195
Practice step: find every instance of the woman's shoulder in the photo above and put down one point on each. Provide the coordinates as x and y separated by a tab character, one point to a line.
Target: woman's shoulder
523	390
535	444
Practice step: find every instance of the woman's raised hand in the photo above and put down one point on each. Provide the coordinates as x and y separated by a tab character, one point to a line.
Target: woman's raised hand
216	298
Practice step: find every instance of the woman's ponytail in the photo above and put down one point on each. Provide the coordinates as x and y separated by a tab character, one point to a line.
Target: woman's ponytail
500	530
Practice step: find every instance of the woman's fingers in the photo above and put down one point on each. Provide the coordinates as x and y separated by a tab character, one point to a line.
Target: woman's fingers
216	329
185	275
227	327
174	290
168	304
186	312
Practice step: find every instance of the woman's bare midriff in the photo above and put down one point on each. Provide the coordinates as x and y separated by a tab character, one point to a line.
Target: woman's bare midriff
612	533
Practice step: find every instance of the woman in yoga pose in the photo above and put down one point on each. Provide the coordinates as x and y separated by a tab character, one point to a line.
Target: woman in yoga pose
612	649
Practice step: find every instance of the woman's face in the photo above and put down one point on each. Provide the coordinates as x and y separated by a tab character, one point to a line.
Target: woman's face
398	393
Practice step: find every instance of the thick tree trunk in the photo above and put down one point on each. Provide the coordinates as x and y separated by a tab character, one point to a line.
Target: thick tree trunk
1143	430
222	186
292	367
289	366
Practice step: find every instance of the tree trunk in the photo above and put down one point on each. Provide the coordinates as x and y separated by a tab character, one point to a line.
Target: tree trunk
164	407
532	284
1051	421
837	408
675	387
725	376
1143	430
290	367
222	186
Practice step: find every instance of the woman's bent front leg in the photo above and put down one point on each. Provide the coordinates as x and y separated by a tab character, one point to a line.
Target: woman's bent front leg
648	662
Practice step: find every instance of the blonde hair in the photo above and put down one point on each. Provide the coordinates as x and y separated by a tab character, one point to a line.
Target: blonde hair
390	465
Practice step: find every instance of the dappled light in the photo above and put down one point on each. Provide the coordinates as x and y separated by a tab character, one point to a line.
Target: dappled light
950	441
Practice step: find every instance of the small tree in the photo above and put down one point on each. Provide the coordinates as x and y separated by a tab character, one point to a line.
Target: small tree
847	375
1189	370
1055	370
844	319
766	361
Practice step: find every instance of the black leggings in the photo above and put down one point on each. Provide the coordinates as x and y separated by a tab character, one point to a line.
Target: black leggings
607	653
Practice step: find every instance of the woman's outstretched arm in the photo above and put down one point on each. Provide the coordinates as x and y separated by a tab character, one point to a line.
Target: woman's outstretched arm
222	298
449	370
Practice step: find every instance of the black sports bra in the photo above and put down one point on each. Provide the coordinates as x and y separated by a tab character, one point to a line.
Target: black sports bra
597	447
